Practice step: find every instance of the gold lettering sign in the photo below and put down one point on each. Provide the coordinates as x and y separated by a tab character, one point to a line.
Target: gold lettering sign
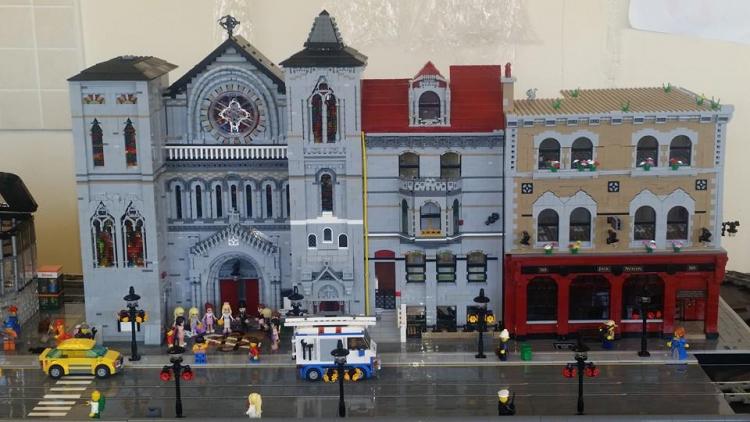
633	268
603	268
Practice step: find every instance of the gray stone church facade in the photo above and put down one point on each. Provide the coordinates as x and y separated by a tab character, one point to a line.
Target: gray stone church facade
243	179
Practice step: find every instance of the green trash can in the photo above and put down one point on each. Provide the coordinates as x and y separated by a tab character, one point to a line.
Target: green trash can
525	351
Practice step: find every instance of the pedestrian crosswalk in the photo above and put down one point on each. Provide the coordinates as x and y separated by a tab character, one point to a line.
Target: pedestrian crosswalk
62	397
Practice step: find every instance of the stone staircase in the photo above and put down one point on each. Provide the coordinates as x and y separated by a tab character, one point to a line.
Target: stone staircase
386	330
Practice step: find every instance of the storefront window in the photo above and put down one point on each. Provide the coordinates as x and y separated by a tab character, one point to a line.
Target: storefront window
649	285
446	267
415	267
541	299
589	298
446	318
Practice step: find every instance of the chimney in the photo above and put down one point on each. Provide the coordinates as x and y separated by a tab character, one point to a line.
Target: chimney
507	81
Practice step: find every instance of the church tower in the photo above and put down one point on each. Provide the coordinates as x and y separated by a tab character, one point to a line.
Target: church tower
325	170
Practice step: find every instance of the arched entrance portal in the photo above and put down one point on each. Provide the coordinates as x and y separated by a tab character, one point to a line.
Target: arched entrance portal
238	280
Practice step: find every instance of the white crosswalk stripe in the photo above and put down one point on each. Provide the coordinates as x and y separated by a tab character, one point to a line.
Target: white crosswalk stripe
74	382
48	408
54	405
50	414
68	389
56	402
78	377
62	396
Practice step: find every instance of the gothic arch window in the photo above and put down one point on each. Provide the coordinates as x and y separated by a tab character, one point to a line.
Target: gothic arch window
103	238
328	292
429	106
326	193
644	224
327	235
450	166
456	219
549	152
580	225
178	202
581	150
429	216
269	201
408	165
680	150
233	198
97	144
131	152
548	226
312	241
324	114
343	241
248	201
288	207
198	202
404	217
219	201
647	152
134	237
677	223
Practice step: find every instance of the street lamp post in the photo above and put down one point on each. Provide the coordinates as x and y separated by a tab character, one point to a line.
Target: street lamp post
482	301
177	369
132	303
644	301
296	298
339	354
581	367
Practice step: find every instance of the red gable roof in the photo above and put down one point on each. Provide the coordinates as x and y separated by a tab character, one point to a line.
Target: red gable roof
476	102
428	69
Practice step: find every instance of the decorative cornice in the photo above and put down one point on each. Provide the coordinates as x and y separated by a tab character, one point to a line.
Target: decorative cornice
180	228
436	141
252	237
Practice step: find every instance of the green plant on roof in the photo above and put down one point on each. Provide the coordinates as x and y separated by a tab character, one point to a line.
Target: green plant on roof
715	104
700	99
575	93
625	107
667	88
556	104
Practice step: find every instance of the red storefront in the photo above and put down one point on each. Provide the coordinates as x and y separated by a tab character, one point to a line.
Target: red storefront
561	294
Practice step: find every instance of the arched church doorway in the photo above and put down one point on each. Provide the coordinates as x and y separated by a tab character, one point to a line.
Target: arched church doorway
238	280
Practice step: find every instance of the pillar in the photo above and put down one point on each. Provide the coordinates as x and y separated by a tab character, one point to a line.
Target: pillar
563	303
670	304
615	298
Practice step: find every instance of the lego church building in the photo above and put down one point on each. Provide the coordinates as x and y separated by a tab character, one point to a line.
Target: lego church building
244	179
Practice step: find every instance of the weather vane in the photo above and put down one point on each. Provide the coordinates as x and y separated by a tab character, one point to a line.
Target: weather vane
228	22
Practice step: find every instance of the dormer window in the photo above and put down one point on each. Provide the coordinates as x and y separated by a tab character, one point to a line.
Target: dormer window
429	98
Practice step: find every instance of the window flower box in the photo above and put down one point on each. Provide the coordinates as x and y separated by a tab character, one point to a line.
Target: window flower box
650	246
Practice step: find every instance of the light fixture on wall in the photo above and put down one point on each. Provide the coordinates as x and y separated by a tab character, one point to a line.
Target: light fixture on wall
612	237
705	236
729	228
525	238
492	218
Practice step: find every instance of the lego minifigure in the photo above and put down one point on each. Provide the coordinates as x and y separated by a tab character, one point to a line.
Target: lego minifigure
179	328
254	353
179	312
13	319
502	349
97	404
209	319
9	336
83	330
243	317
505	404
58	331
194	317
199	349
607	331
678	344
226	318
170	337
264	317
275	336
199	330
254	406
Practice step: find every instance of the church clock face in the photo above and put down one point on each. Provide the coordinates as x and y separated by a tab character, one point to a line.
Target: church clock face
233	114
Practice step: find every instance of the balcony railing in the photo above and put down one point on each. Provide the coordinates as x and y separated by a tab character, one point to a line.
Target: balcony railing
430	184
225	152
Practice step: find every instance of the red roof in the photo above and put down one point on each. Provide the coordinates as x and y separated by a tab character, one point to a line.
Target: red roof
476	102
428	69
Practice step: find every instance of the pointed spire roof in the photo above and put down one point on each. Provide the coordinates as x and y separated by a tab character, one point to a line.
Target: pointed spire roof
325	47
428	69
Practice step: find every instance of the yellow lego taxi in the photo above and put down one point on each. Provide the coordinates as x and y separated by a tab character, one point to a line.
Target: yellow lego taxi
80	356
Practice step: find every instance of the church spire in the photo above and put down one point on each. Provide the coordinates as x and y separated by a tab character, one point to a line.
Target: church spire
325	47
324	33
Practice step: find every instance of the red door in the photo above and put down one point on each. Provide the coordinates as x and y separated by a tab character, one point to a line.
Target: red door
232	291
385	296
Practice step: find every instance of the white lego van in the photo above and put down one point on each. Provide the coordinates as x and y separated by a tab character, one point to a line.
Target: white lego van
316	336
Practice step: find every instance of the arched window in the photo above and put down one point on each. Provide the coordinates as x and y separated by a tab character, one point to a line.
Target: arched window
103	238
131	153
269	202
408	165
404	217
312	241
326	193
644	224
589	298
178	202
580	225
249	200
647	152
199	202
288	207
476	267
450	165
134	237
327	235
581	150
343	241
445	262
233	197
680	150
541	299
643	285
677	224
331	118
429	106
456	220
548	224
430	217
324	110
219	202
97	144
317	118
549	151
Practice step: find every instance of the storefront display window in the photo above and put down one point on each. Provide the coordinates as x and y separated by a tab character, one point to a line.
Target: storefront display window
589	298
541	299
650	285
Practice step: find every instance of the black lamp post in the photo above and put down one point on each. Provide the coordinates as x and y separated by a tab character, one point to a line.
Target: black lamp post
178	370
581	368
482	301
132	304
644	302
295	298
339	354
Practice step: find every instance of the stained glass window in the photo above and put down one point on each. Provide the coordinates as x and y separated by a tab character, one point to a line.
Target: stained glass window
324	114
317	118
103	238
134	237
249	200
97	144
332	118
326	193
131	153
